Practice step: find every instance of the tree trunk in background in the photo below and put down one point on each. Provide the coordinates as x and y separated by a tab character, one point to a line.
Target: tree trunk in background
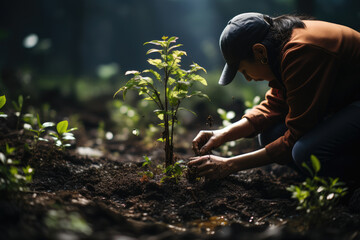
305	7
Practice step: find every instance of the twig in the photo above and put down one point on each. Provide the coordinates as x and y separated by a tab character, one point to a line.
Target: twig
266	215
203	210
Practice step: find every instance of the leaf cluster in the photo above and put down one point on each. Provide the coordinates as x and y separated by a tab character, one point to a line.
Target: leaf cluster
174	171
13	178
63	135
41	128
317	194
176	81
149	172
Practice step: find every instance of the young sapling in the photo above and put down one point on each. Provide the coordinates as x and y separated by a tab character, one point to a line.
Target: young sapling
63	135
175	86
41	129
12	178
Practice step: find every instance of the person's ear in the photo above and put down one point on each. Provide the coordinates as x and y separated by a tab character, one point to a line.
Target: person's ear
260	53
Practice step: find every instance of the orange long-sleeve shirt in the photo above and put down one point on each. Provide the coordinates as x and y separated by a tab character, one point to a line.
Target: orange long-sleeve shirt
320	70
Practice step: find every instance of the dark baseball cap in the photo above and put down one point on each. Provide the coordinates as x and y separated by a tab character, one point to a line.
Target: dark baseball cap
237	39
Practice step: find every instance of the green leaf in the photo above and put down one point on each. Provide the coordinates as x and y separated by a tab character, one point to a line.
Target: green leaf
2	101
9	150
315	163
155	62
146	81
198	78
62	126
132	72
156	42
120	89
175	46
171	81
71	129
181	108
307	168
21	100
173	39
38	121
177	53
154	50
200	94
48	124
156	74
196	67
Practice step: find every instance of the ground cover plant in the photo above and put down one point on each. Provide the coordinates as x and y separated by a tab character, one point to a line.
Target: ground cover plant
317	195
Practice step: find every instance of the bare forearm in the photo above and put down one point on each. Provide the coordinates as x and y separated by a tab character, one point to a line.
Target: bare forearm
249	160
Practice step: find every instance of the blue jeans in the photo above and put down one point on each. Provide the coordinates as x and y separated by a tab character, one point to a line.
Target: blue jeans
335	142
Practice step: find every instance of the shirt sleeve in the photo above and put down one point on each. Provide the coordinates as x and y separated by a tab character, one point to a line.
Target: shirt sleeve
268	112
308	74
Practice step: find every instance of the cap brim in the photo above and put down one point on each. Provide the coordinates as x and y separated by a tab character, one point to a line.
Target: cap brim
227	75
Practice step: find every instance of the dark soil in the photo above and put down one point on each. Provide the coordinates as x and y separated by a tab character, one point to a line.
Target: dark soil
111	200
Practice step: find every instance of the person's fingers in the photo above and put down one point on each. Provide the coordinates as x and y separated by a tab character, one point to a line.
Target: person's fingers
195	148
196	161
208	173
204	167
207	147
200	141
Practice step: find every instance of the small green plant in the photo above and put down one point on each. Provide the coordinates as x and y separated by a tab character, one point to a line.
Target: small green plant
175	85
26	118
317	194
149	172
174	171
41	129
2	103
63	134
13	178
18	106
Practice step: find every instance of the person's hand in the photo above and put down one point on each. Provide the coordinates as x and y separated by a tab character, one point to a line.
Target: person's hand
205	141
210	166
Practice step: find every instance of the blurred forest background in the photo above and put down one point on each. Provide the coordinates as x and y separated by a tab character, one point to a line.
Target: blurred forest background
69	53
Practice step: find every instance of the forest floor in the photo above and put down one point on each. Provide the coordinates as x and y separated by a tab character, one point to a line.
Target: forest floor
94	191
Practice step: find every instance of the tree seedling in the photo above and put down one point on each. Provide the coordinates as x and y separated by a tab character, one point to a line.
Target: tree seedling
41	129
317	194
174	171
175	85
63	134
12	178
149	172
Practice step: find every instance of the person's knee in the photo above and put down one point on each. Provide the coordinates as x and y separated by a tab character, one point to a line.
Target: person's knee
301	153
272	134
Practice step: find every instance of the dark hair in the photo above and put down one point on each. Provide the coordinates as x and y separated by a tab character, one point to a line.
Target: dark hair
278	35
